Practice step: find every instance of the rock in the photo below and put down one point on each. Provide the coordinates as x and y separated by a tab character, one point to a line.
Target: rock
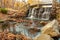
43	37
51	29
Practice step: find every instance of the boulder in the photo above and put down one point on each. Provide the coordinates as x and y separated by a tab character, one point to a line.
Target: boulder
43	37
51	29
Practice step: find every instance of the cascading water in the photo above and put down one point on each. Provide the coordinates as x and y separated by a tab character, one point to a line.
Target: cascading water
31	13
20	28
32	17
46	14
40	14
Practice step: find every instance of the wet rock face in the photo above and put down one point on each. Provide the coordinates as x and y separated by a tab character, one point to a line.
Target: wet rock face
56	6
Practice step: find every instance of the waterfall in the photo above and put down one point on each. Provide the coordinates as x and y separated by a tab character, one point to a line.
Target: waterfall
46	14
31	13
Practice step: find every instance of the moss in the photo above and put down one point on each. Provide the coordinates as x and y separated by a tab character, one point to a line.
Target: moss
1	21
3	10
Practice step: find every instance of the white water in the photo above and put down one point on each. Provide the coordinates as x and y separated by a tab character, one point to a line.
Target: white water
46	14
31	13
